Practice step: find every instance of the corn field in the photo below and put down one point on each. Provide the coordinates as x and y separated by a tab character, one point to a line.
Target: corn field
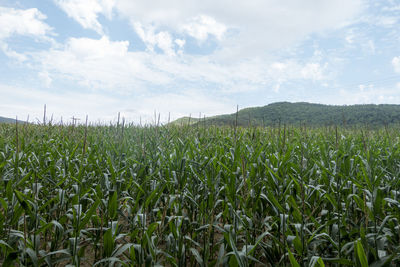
123	195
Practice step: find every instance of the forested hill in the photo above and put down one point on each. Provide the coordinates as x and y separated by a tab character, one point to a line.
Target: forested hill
311	114
9	120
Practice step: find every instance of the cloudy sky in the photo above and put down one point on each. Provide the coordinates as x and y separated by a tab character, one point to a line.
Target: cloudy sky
137	57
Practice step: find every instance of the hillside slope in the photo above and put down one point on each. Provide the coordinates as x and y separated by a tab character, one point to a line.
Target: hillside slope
184	121
311	114
9	120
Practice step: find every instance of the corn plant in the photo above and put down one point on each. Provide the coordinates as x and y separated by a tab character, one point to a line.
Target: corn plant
197	195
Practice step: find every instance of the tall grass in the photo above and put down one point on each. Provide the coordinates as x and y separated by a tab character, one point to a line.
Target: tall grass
198	196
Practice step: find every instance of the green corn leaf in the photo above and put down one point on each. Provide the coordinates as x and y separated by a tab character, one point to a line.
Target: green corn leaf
88	215
108	243
197	256
113	205
22	201
293	261
361	254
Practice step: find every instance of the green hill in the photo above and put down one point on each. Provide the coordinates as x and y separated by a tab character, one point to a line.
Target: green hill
9	120
185	121
311	114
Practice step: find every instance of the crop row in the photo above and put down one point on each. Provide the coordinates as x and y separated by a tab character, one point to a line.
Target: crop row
198	196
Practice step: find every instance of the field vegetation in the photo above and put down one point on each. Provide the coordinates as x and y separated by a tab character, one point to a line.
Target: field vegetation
123	195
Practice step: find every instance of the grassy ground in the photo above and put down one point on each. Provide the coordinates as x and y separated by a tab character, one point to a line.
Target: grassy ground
187	196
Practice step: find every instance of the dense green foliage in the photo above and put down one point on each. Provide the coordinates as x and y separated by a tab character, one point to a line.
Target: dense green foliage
187	196
311	114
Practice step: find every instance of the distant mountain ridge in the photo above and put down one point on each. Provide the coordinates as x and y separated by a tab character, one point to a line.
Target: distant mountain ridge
306	113
9	120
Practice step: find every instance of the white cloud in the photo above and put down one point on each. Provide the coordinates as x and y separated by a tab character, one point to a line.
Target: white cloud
249	28
386	21
87	48
367	95
22	22
161	39
350	36
371	46
276	87
292	70
26	22
396	64
202	26
86	12
99	64
109	65
11	53
392	8
313	71
180	42
46	79
246	33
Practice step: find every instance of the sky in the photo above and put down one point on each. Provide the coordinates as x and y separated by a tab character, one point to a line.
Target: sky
188	57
